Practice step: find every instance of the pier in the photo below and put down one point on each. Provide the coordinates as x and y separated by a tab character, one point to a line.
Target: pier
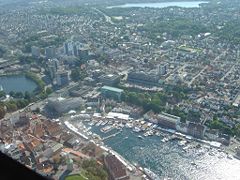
112	135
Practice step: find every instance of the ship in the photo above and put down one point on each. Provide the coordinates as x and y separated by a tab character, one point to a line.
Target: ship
151	174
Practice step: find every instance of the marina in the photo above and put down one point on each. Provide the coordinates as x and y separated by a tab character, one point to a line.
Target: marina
152	147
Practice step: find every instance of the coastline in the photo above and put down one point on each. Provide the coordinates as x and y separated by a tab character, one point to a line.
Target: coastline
126	163
132	166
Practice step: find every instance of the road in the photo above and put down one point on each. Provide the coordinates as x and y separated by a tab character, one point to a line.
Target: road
108	18
231	69
195	77
39	104
178	69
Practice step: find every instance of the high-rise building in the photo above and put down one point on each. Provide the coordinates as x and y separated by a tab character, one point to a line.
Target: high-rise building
35	51
50	52
162	69
53	66
65	45
83	53
62	78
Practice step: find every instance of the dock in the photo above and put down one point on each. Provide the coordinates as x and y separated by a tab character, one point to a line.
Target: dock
112	135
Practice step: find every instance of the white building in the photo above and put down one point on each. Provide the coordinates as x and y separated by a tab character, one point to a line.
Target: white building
62	105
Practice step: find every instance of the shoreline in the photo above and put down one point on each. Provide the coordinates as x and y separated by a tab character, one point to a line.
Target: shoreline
213	144
125	162
130	166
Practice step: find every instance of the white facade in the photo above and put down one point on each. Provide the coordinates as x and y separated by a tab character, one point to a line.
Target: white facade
62	105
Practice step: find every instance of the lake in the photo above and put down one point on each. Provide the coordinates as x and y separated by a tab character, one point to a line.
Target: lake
17	83
183	4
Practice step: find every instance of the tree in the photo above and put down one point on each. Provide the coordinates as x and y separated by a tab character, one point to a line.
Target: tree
27	96
12	94
37	110
49	90
94	171
221	126
11	106
237	130
75	74
22	103
2	94
19	95
2	112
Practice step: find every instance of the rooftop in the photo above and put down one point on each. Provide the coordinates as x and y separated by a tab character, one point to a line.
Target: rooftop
112	89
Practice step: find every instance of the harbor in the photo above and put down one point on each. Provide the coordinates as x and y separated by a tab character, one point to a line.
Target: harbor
147	147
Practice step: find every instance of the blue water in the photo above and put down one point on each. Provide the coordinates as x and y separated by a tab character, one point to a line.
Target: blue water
169	160
18	83
184	4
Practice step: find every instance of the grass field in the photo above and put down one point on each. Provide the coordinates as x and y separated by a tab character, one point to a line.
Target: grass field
75	177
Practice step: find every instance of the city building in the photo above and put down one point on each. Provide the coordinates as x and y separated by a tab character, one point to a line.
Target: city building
168	120
110	79
20	119
35	51
237	152
62	105
66	49
53	66
72	48
143	78
182	127
13	151
115	168
112	92
162	69
83	53
62	78
196	130
50	52
69	162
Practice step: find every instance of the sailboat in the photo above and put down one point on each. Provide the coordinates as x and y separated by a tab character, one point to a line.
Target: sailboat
1	88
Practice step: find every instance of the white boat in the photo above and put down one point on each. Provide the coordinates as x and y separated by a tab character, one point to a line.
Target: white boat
136	129
229	156
186	147
182	143
128	125
165	139
89	128
90	124
151	174
146	134
100	122
154	126
105	123
121	125
158	133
